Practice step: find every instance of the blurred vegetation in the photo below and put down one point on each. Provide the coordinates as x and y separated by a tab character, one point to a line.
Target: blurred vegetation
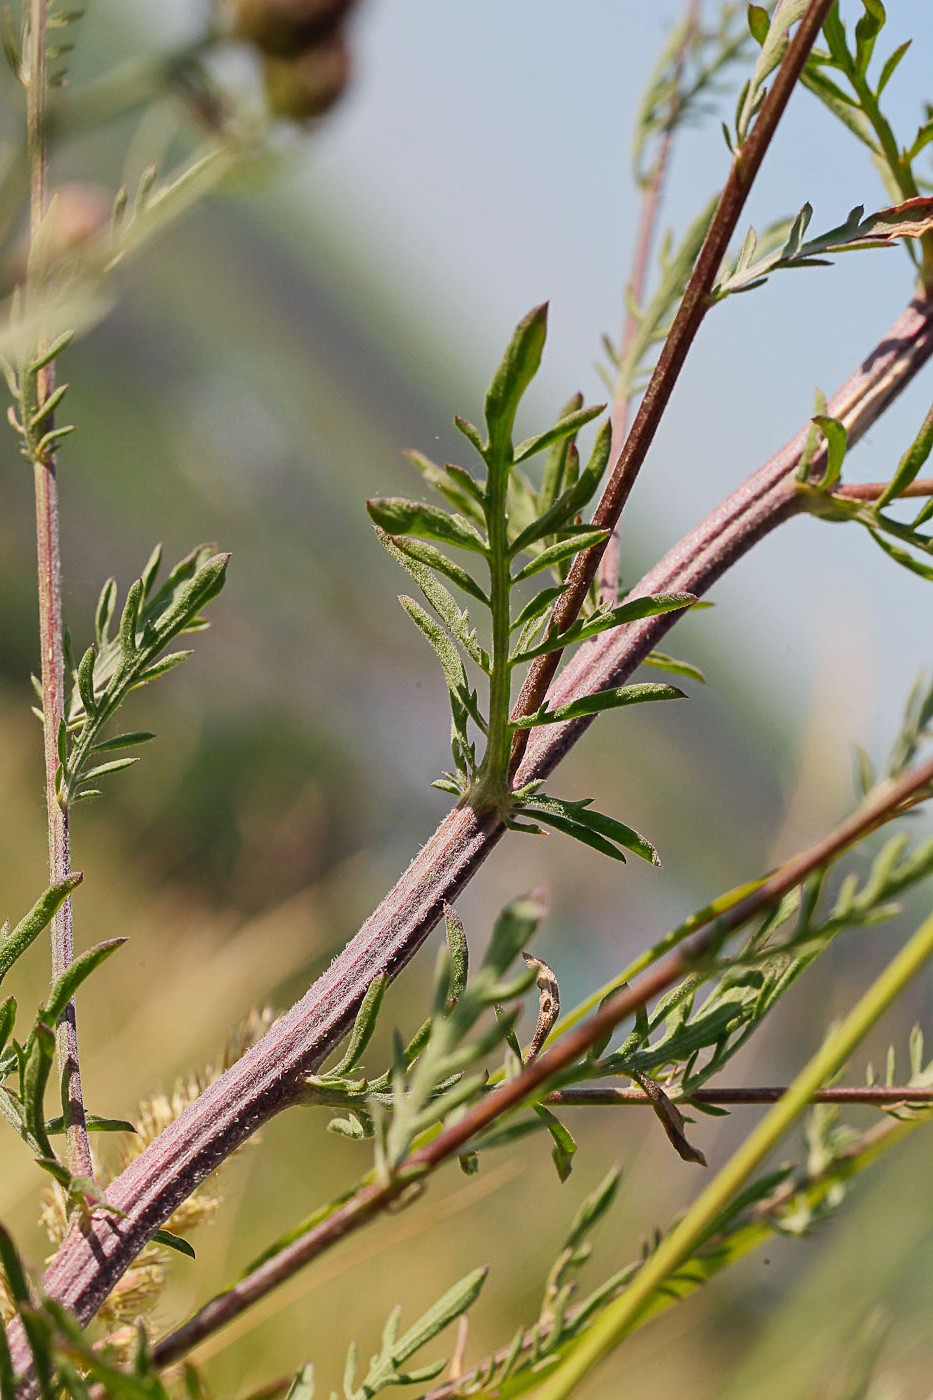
259	377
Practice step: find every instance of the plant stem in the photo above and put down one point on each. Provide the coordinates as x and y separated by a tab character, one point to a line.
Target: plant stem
872	490
651	201
889	1096
491	791
700	1220
690	314
50	618
268	1077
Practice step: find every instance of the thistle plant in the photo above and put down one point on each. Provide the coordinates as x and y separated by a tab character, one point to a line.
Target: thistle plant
536	637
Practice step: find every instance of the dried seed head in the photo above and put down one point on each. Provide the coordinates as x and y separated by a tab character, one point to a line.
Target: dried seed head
287	27
307	86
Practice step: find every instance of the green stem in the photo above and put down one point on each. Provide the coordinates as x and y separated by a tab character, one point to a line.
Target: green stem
703	1215
900	168
492	786
50	611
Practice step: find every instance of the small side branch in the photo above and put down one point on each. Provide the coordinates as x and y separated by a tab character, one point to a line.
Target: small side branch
690	314
50	618
652	191
890	1096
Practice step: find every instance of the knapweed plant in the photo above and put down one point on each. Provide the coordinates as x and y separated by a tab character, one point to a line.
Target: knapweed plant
515	556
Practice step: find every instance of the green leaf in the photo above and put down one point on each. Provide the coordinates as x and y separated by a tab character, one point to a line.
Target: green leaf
537	606
911	218
398	516
14	942
444	649
86	680
122	741
426	554
160	668
116	765
513	930
594	829
663	662
837	437
758	23
890	65
38	1055
95	1124
104	614
173	1241
564	1144
602	700
148	576
453	483
632	611
458	951
867	29
576	496
518	367
454	619
65	986
842	108
592	1210
565	427
364	1025
206	583
911	463
901	556
446	1310
471	433
7	1019
555	467
563	549
130	618
52	351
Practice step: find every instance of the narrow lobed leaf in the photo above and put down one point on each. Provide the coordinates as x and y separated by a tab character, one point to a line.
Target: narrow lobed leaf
518	367
602	700
14	942
398	516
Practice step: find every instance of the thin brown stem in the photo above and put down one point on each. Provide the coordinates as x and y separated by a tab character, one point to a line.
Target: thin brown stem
94	1256
873	490
690	314
50	618
375	1196
652	190
872	1095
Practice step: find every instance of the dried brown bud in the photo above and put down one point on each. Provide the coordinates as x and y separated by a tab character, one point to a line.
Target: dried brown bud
308	85
287	28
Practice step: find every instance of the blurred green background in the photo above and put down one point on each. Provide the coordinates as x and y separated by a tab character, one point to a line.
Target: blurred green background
262	371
